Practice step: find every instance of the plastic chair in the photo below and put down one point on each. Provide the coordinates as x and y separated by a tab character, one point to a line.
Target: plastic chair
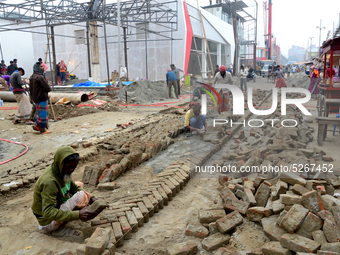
337	116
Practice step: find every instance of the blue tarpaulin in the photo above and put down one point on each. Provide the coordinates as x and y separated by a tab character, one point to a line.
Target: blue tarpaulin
95	84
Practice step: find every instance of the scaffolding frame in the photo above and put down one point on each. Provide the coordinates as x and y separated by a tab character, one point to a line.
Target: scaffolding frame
69	12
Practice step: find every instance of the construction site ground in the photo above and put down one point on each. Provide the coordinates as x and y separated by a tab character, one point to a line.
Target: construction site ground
18	226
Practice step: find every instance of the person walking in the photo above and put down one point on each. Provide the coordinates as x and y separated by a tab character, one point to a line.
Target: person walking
243	79
314	82
24	105
176	71
11	68
39	89
280	80
216	70
15	63
288	72
63	69
44	65
3	68
171	80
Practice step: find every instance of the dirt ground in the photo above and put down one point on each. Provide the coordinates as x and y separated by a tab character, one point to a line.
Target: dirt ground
18	226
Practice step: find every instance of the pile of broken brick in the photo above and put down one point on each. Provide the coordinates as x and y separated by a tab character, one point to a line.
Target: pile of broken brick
297	215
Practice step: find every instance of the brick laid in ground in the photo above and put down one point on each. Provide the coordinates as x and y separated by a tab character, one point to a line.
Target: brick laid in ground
98	241
297	243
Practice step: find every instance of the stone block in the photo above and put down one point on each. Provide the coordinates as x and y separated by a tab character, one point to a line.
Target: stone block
335	247
297	243
336	214
262	194
294	218
290	199
281	216
229	222
197	230
329	201
213	228
231	205
327	253
326	215
98	241
139	216
118	233
292	178
125	227
98	206
319	237
208	216
273	232
257	213
312	201
249	197
277	206
311	223
186	248
299	190
132	220
331	231
275	248
106	176
106	186
215	241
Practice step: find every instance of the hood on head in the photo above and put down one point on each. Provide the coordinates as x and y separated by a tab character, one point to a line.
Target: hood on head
62	153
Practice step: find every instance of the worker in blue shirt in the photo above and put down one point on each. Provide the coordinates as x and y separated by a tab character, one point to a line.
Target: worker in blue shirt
171	80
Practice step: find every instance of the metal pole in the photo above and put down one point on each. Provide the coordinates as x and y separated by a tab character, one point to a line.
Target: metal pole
125	53
47	34
88	47
320	38
171	45
119	41
146	52
2	56
54	75
107	56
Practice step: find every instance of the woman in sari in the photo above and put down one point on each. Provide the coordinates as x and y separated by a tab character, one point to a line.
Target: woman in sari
20	95
314	82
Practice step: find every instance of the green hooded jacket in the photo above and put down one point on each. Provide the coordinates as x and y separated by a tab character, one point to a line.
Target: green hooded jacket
48	195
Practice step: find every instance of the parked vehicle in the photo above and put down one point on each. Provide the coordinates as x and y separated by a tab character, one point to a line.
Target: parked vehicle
264	71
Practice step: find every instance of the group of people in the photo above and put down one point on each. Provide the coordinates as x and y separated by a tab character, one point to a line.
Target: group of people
8	70
315	79
32	100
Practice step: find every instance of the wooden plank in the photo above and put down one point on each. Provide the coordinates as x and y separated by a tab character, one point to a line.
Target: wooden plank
321	128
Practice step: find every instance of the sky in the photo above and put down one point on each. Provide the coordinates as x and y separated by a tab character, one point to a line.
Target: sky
294	21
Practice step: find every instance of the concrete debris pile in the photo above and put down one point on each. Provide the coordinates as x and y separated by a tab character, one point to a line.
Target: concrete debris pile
130	149
146	91
133	209
300	80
